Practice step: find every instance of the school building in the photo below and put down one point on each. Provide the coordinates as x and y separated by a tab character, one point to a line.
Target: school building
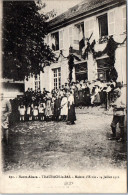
90	20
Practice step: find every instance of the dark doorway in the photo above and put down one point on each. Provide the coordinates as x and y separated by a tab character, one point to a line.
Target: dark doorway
81	71
103	68
80	77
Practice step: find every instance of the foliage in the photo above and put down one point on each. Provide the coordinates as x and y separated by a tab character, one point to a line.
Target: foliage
24	30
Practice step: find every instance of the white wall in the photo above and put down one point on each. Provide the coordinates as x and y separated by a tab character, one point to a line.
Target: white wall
48	78
120	64
12	90
92	68
30	83
45	79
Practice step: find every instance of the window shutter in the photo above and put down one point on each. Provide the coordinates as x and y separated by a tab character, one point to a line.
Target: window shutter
61	39
66	38
124	18
76	38
111	22
89	27
70	36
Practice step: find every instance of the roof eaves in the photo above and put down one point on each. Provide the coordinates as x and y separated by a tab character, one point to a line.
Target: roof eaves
57	23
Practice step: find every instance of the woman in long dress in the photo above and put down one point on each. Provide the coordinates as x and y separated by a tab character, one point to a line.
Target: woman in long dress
57	107
71	109
64	107
48	109
97	96
80	92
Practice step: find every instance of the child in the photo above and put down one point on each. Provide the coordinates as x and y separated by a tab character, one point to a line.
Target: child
41	109
35	112
64	107
48	110
29	112
22	110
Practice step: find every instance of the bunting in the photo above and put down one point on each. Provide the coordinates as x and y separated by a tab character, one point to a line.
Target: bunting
110	49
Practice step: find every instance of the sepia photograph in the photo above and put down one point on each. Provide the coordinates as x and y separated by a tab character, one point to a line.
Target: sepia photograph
63	96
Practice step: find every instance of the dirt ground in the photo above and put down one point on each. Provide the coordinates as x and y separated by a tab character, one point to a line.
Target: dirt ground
55	145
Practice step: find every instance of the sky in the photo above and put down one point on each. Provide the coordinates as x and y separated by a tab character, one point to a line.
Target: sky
59	6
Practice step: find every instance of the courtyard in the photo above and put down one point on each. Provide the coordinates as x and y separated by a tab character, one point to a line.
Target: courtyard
36	145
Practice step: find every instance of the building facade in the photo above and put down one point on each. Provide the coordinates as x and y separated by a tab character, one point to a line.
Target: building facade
88	21
11	89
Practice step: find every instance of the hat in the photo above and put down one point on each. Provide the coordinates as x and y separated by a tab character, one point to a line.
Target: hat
119	84
118	92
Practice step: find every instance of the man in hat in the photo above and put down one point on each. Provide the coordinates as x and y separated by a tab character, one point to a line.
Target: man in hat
118	116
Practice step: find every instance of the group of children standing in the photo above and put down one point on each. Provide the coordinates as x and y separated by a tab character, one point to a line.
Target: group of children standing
46	106
31	111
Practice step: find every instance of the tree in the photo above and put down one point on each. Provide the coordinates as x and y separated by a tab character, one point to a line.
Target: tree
24	49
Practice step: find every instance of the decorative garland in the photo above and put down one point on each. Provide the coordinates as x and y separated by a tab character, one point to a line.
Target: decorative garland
110	49
70	58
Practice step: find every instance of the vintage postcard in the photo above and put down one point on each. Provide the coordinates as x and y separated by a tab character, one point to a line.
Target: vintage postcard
63	96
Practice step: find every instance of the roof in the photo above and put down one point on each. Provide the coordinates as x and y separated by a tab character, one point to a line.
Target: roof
5	80
81	9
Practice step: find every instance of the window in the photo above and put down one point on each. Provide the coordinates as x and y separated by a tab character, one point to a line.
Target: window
81	71
37	82
55	41
103	68
102	75
57	78
111	22
124	19
103	25
89	28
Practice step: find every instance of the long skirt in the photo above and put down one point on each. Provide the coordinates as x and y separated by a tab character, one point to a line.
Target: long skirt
71	113
48	110
57	108
80	97
97	99
76	98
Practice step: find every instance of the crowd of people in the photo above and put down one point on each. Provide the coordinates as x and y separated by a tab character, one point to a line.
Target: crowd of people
59	104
